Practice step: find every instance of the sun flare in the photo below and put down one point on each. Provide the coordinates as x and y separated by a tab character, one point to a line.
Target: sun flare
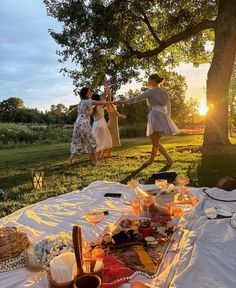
202	109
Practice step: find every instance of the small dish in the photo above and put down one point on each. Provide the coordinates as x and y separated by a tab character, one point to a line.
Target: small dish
224	212
218	212
210	213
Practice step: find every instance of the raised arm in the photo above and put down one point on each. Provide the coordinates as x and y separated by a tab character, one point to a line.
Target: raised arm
110	108
122	116
108	91
136	99
102	102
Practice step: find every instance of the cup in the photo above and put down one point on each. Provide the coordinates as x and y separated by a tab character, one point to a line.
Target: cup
87	281
135	206
161	183
91	265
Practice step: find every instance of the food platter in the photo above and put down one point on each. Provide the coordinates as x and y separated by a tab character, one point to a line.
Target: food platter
140	248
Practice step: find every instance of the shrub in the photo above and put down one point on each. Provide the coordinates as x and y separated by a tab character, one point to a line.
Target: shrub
27	135
132	131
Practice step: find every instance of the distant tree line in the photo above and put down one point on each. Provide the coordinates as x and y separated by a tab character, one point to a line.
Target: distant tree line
13	110
183	112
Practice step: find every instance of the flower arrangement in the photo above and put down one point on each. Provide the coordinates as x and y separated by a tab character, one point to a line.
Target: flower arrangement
52	246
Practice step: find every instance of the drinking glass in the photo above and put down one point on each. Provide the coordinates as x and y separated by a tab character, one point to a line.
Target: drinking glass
148	201
135	206
182	181
161	183
94	217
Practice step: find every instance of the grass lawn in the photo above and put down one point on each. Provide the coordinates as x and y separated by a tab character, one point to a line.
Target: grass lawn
17	164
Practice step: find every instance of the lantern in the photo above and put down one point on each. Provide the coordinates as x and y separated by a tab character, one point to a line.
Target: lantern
37	179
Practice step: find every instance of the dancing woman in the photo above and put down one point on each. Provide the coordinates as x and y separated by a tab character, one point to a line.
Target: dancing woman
100	129
83	140
159	122
112	124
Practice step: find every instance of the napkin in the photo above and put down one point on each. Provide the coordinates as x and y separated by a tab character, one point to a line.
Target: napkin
63	267
115	272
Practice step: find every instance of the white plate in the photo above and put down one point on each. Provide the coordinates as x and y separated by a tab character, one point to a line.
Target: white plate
225	212
210	212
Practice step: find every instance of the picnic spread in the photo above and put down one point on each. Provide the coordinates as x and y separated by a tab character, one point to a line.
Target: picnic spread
194	246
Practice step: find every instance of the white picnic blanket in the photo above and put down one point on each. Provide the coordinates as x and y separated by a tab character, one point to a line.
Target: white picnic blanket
204	255
208	257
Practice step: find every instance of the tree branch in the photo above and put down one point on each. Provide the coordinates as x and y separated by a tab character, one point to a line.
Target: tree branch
147	22
190	31
128	46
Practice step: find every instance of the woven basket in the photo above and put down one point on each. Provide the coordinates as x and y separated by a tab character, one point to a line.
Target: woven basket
13	241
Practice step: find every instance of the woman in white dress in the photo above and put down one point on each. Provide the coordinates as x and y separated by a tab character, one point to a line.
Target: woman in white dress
159	122
100	129
83	140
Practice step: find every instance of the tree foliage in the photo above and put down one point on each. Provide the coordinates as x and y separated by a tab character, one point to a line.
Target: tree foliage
119	37
11	104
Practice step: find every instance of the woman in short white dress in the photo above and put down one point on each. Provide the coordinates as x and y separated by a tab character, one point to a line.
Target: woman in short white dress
159	122
100	129
83	140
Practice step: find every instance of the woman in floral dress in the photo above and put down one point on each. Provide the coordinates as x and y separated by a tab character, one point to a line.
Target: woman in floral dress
83	140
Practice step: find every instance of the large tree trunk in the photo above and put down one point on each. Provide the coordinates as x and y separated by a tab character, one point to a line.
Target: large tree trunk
216	129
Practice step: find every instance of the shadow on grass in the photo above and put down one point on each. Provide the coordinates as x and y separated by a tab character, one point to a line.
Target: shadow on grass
210	168
135	172
15	180
25	177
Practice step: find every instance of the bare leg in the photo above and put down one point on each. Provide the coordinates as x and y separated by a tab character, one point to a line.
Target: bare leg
70	160
98	155
94	158
155	147
165	154
109	154
102	152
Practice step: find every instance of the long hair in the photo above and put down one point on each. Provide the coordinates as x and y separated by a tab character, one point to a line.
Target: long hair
83	92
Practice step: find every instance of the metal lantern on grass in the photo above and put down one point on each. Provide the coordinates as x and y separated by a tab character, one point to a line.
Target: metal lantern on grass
37	180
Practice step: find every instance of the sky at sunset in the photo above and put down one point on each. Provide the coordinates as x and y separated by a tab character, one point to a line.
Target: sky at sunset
28	63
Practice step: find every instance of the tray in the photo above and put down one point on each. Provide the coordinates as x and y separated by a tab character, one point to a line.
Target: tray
135	250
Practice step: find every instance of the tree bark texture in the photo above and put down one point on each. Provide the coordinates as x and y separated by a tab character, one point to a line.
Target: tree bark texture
219	74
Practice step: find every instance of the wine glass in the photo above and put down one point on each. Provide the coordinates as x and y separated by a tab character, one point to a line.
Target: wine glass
135	206
182	180
94	217
147	201
161	183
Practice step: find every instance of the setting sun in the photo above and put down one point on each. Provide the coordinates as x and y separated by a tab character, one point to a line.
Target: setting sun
202	109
